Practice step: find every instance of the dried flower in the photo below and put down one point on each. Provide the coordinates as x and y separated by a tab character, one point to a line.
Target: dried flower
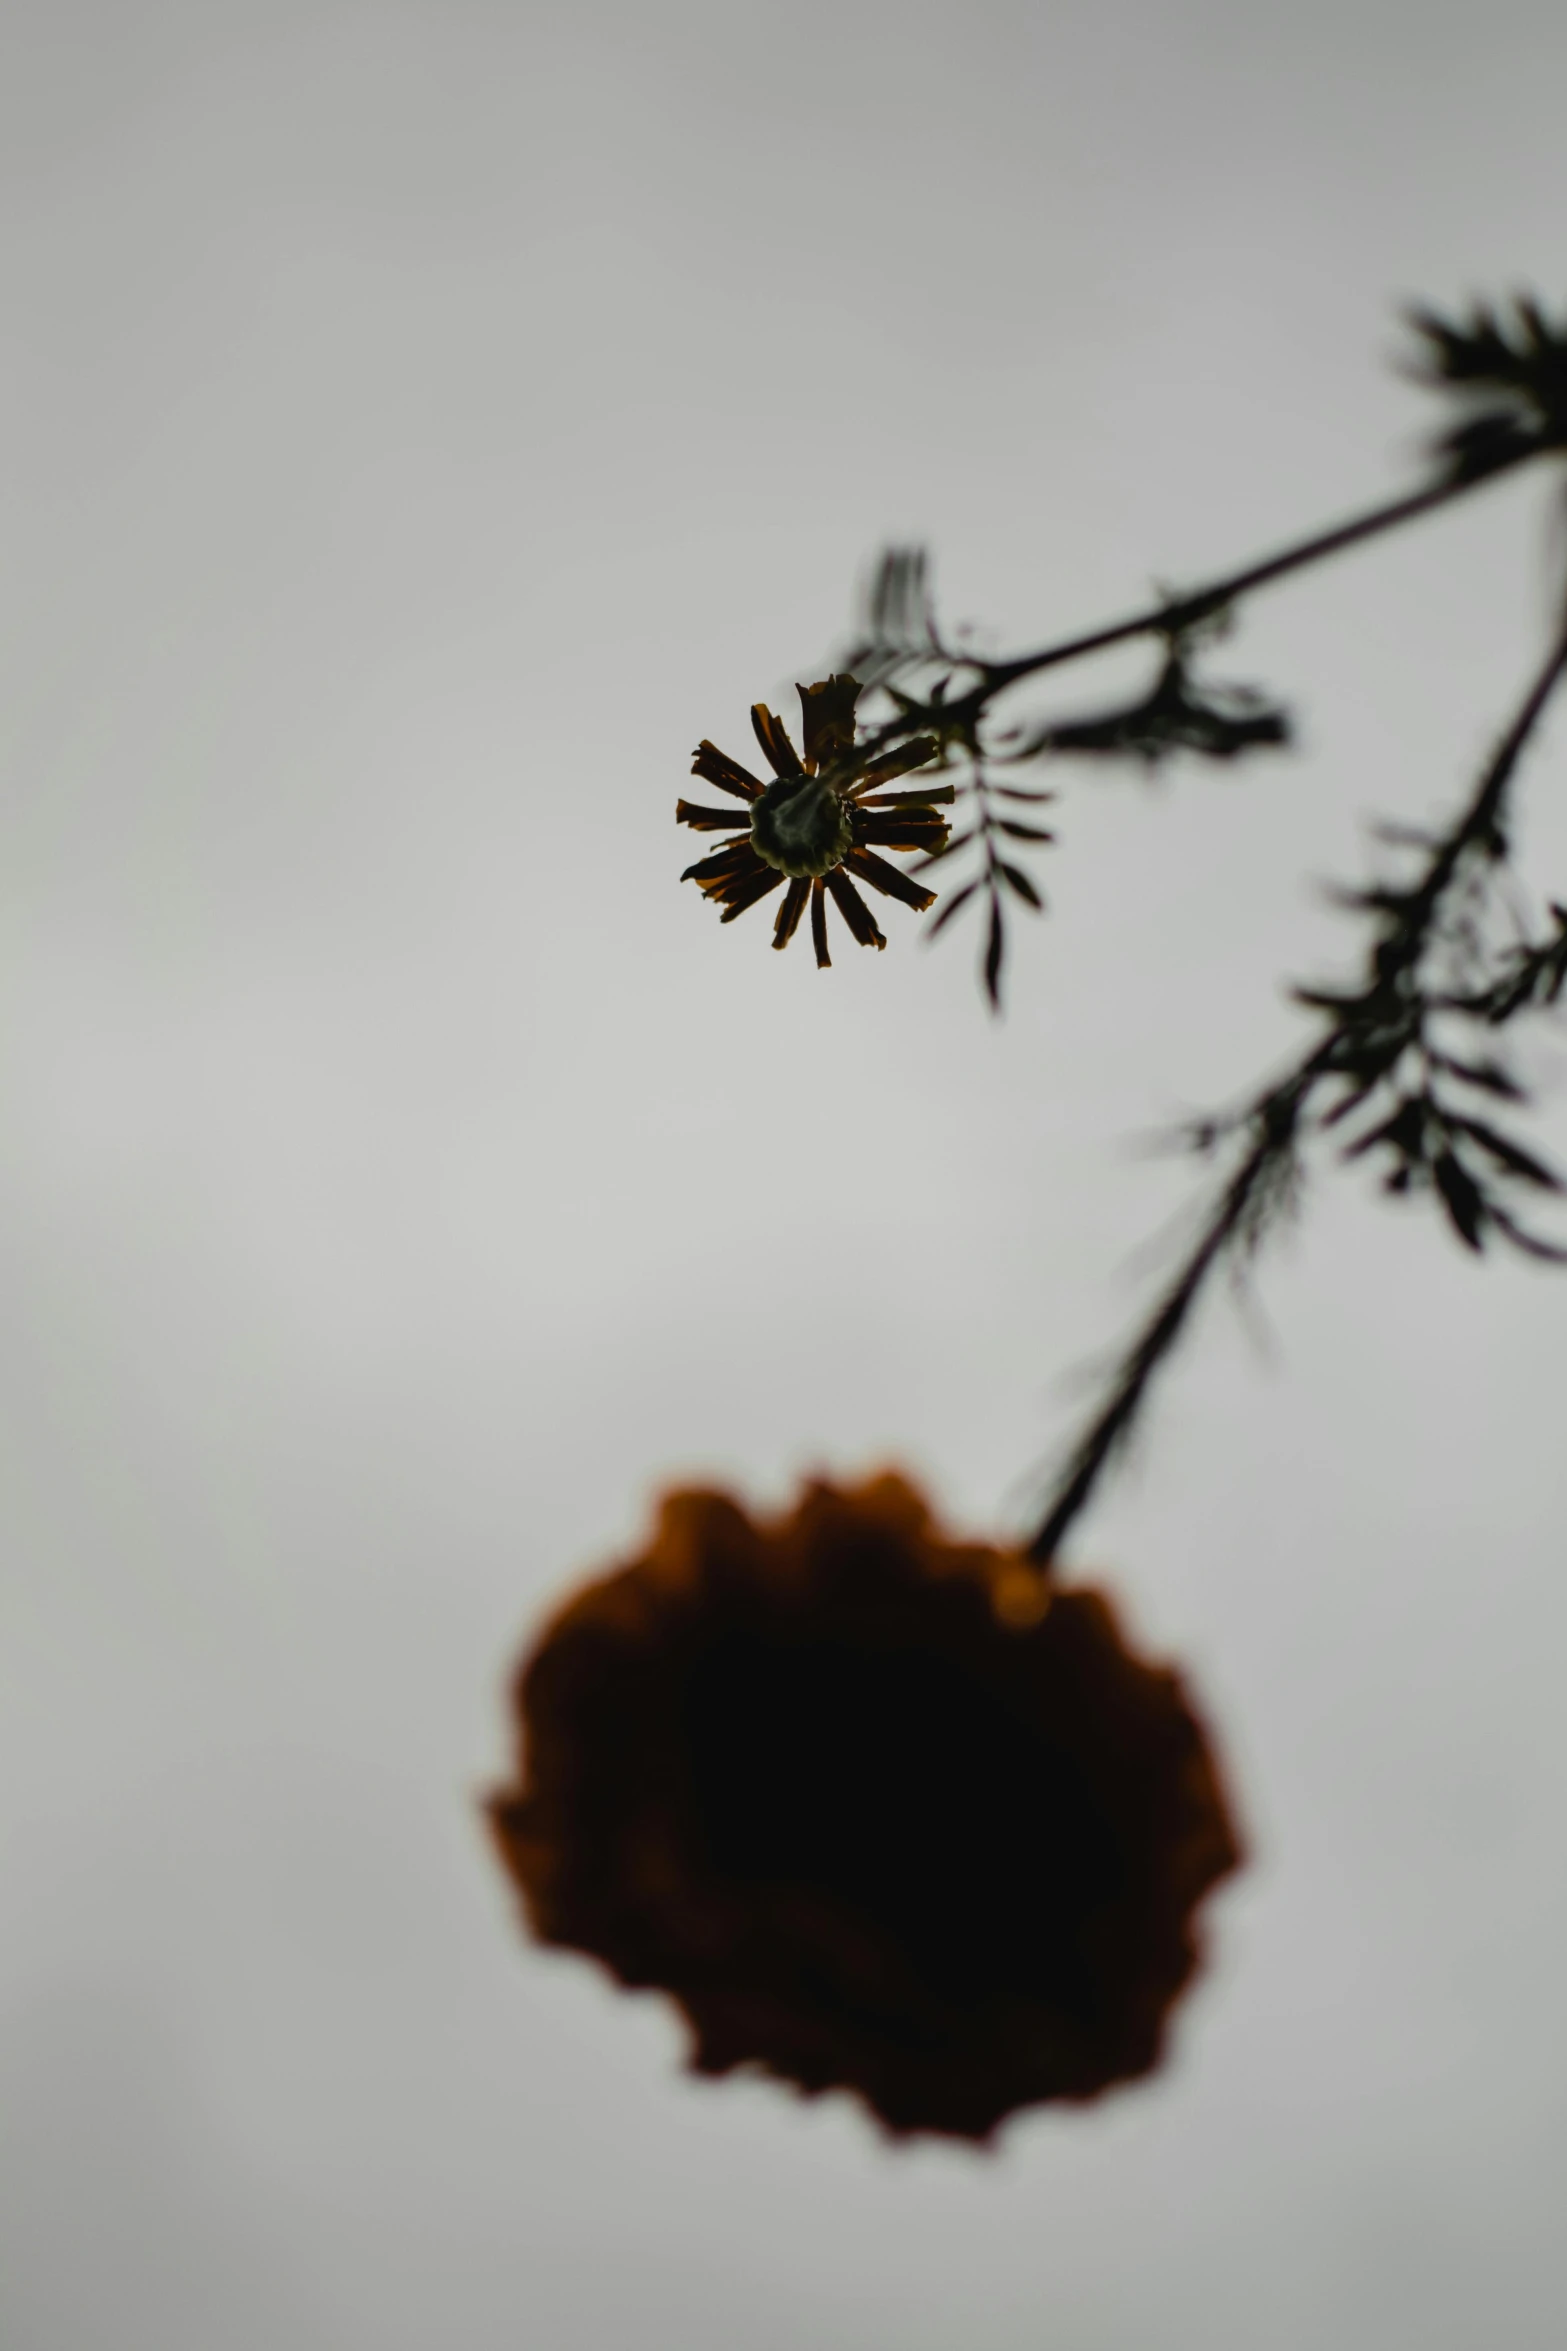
818	822
884	1812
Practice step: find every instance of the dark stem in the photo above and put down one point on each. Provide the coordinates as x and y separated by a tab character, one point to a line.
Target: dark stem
1169	618
1275	1118
1278	1116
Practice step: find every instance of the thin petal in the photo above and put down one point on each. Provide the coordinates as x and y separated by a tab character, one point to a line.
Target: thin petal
743	894
716	767
827	710
914	753
739	857
773	736
888	879
853	908
707	820
819	926
739	884
904	831
928	798
790	911
949	848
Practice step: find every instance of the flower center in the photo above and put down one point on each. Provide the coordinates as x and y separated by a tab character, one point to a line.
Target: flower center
899	1788
800	826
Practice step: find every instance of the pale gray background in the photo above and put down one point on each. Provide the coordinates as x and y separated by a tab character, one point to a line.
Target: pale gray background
421	423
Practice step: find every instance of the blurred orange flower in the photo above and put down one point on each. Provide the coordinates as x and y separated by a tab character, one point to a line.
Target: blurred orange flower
884	1812
818	822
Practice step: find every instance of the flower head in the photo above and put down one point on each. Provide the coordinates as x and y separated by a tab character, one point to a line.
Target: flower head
818	822
884	1812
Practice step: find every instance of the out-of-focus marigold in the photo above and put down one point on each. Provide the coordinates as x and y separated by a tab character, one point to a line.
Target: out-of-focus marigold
819	822
884	1812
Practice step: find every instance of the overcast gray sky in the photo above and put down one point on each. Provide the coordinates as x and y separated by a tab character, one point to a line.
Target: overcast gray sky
421	423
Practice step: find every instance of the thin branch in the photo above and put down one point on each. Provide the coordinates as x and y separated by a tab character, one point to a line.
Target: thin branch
960	713
1169	619
1381	1019
1279	1116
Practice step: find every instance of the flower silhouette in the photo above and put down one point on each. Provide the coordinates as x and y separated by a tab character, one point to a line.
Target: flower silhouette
819	822
882	1811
